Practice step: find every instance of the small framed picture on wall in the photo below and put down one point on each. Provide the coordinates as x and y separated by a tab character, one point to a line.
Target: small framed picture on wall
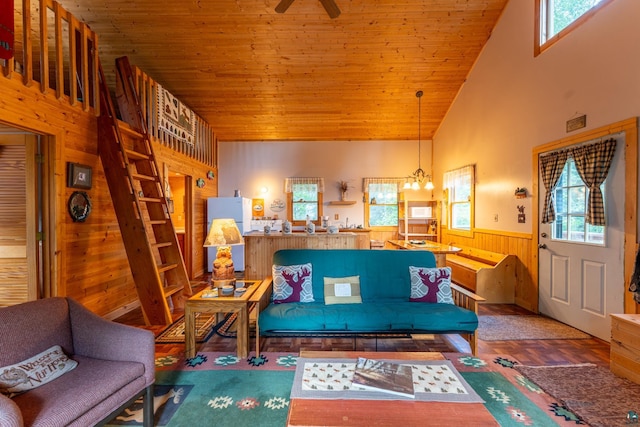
78	176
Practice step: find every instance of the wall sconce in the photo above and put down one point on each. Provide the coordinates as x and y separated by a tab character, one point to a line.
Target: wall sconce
264	190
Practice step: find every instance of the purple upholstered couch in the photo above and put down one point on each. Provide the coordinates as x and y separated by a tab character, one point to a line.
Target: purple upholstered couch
115	365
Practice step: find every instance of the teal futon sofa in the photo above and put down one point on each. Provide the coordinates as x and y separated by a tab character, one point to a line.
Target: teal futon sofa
360	291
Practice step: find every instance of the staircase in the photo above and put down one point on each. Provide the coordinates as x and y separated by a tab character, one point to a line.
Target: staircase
138	198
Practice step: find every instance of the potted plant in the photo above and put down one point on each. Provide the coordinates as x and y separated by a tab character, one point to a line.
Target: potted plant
521	193
343	186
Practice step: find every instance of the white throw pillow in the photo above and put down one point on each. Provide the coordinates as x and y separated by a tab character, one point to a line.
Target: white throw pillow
35	371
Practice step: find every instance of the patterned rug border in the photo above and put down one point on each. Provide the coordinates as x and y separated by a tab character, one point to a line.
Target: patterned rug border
204	331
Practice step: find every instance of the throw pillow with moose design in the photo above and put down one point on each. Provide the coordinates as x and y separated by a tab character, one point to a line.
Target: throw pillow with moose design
431	285
292	283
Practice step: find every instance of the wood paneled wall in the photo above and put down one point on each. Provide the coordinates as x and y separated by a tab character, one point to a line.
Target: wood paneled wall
88	259
517	244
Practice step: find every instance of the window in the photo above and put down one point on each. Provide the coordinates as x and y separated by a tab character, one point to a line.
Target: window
381	202
555	18
459	184
570	200
304	199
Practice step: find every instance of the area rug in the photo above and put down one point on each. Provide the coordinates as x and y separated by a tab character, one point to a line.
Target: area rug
174	333
215	388
596	395
219	389
433	381
513	328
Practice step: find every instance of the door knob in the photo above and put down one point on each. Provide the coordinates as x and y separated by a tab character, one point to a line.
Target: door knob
543	235
542	246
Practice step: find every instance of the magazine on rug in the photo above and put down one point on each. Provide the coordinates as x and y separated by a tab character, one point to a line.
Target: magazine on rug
381	376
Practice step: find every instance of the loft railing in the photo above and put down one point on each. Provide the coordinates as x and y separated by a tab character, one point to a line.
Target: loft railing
203	148
57	52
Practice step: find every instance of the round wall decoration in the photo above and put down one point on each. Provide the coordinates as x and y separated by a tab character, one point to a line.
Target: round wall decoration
79	206
278	205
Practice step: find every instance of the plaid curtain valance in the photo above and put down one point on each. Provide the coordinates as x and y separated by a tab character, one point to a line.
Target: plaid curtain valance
593	162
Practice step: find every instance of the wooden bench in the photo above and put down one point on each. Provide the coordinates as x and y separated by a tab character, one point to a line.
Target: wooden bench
490	275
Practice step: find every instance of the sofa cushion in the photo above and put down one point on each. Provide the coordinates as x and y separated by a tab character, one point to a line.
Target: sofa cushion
384	274
35	371
342	290
431	285
292	283
367	317
79	391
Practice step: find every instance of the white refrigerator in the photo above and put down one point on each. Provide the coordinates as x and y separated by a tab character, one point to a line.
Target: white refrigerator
238	208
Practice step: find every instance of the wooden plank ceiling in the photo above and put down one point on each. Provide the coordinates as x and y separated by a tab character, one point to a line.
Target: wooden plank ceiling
255	74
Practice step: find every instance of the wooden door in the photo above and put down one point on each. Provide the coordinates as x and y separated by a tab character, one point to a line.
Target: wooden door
20	255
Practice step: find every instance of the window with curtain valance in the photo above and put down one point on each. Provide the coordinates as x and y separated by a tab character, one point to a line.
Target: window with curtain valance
459	185
592	162
381	202
290	182
304	199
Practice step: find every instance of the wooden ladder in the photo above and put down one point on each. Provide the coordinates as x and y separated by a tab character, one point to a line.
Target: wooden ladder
138	198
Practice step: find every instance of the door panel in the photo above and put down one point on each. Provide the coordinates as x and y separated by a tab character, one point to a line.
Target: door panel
594	287
579	283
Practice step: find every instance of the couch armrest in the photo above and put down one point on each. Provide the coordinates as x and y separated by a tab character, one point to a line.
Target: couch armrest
263	294
99	338
465	299
10	415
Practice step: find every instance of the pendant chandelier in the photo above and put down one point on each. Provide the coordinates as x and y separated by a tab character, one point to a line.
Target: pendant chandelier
416	180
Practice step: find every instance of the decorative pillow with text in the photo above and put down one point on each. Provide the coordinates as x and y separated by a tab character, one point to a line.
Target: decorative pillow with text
431	285
35	371
292	283
342	290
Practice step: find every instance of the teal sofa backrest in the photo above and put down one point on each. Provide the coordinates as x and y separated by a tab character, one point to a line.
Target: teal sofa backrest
383	273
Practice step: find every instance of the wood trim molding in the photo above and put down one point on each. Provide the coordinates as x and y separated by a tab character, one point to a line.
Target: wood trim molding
630	128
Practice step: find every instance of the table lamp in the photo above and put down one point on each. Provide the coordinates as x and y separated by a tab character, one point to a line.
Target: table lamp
223	233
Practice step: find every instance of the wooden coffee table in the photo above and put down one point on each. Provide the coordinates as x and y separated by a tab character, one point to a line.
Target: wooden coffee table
220	304
320	412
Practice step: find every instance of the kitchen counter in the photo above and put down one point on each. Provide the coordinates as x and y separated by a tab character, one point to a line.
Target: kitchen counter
260	247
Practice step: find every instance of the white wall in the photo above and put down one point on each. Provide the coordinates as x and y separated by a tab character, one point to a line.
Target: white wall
248	166
512	102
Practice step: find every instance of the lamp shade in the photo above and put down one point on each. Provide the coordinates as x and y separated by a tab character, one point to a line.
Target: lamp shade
223	232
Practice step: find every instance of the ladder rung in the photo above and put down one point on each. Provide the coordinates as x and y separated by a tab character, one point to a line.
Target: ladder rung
157	221
128	130
170	290
141	177
161	245
150	199
134	155
165	267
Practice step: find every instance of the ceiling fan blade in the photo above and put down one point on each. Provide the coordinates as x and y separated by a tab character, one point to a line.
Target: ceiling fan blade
283	6
331	7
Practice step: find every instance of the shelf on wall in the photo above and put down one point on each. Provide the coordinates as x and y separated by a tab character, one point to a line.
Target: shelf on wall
342	202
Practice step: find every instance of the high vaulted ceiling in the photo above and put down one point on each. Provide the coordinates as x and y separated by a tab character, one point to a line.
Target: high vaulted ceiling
254	74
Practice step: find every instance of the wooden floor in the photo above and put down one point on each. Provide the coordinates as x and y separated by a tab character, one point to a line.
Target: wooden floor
528	352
